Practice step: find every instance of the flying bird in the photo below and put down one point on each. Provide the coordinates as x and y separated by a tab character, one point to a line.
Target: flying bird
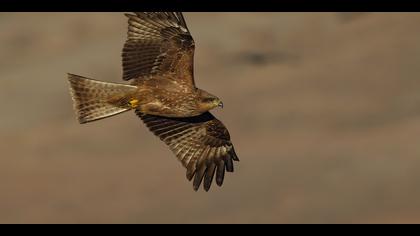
157	60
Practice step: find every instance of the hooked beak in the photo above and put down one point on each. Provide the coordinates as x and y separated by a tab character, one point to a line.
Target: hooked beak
220	104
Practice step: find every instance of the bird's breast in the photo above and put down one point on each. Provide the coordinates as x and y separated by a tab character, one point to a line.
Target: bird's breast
171	104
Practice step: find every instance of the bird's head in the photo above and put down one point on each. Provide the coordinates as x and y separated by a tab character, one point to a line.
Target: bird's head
208	101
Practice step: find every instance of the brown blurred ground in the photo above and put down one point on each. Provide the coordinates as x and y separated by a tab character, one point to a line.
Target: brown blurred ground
324	110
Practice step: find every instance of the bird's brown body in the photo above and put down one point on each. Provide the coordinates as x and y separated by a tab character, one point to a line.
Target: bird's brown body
169	98
158	60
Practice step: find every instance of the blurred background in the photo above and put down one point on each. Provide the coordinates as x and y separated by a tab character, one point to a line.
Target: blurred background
323	109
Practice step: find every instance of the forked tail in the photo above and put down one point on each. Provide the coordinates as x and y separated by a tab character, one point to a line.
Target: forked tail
94	100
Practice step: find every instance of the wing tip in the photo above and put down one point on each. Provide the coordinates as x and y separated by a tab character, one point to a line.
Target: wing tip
226	165
234	155
129	15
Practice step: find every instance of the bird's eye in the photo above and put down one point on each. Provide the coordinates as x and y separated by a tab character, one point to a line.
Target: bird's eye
207	100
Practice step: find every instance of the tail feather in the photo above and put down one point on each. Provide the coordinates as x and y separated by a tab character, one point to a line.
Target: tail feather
93	99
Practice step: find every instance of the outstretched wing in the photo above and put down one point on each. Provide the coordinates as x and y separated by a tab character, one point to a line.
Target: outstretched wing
159	43
201	143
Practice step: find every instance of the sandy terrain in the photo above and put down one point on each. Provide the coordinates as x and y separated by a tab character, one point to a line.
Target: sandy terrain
323	109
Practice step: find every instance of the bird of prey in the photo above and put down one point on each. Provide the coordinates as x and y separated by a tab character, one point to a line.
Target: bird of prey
157	59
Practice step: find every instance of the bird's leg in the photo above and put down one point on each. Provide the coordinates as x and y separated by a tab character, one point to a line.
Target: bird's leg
133	103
